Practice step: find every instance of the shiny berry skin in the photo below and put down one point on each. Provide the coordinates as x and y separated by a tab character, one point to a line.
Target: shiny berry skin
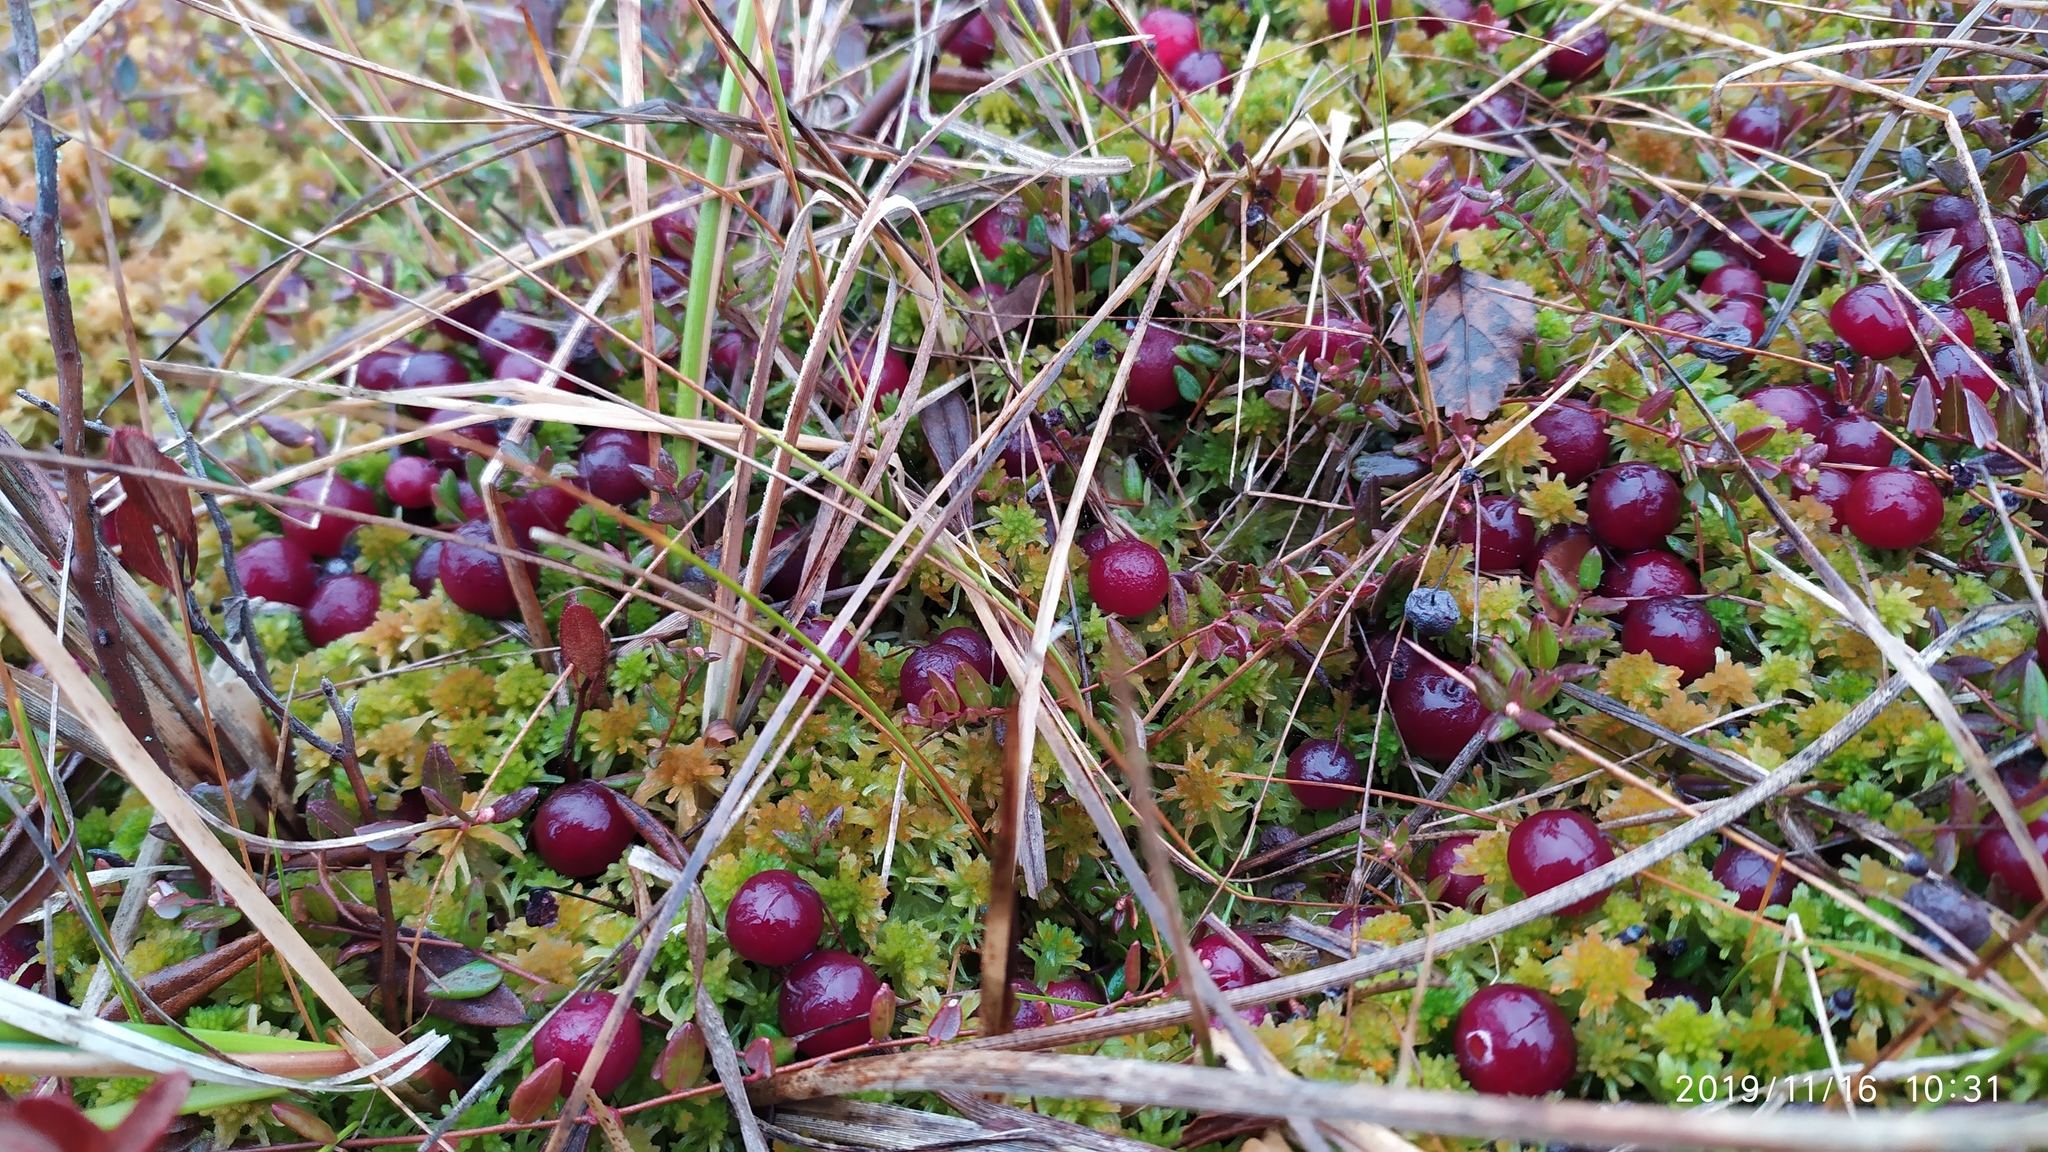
1027	1011
410	481
1072	988
1201	71
1355	17
1127	578
775	918
1556	846
925	669
1831	487
446	449
1094	540
1945	324
1653	572
570	1035
1565	546
993	229
1151	384
1501	533
1471	206
1578	59
1514	1041
1945	212
1741	312
1225	964
1759	126
1794	405
1999	855
1771	258
1892	508
1459	890
788	579
341	606
825	1002
509	334
675	231
981	655
319	531
890	377
462	322
580	830
974	42
1871	321
1955	365
1755	879
1577	440
1175	36
426	568
432	369
18	948
277	569
546	507
476	579
382	370
1956	911
842	652
1633	506
1680	633
1459	11
1976	284
1974	240
1732	280
1856	440
1498	113
1435	714
1315	767
606	461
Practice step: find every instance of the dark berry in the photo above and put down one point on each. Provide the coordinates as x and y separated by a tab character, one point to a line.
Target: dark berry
510	334
826	1001
1094	540
1871	320
1974	240
843	652
548	507
18	948
1892	508
1578	59
1942	323
1831	487
995	228
1501	533
432	369
341	606
570	1035
1459	890
606	462
445	449
1323	774
1031	451
1954	365
1514	1041
1458	11
1152	384
474	578
1565	546
973	42
1633	506
1028	1010
883	365
469	502
788	579
1175	36
1954	910
1072	988
926	669
1556	846
1795	406
1387	659
1976	283
1739	314
1229	969
426	568
775	918
1680	633
731	356
1435	714
1756	880
1944	212
1767	253
1999	855
1654	572
1127	578
1758	126
1856	440
676	230
1498	113
462	322
1355	16
318	530
580	830
1673	988
383	370
980	654
1201	71
277	569
1732	280
410	481
1471	206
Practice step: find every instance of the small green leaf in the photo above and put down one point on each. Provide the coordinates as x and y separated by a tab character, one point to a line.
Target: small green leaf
1590	569
2034	694
1199	354
1190	388
468	982
1134	479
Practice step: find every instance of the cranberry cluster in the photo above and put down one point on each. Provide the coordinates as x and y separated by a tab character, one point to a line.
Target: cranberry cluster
828	996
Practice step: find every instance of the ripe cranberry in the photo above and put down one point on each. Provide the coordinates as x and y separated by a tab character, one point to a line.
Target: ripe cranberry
476	579
1127	578
462	322
1756	880
432	369
1501	533
1654	572
1680	633
732	355
973	42
825	1002
1576	439
1175	36
446	449
1498	113
1999	855
18	948
1794	405
1434	713
1892	508
891	376
1031	450
1028	1011
1556	846
426	568
1633	506
1200	71
1323	774
1872	322
775	918
1355	17
546	507
318	530
1771	258
1945	212
926	669
1094	540
995	228
275	568
1973	239
580	830
1942	323
1330	339
1514	1041
1831	487
1955	365
606	461
981	655
381	371
842	652
1976	283
1732	280
1229	969
1579	59
570	1035
1741	312
468	502
1856	440
410	481
1152	385
1758	126
1459	890
509	334
1455	11
1471	206
788	579
675	231
1565	546
341	606
1072	988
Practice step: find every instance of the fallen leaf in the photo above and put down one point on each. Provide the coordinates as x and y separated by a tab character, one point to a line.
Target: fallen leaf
1482	324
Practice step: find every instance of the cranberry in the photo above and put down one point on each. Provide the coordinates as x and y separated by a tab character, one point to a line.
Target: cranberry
973	42
826	1001
1872	322
570	1035
580	830
547	507
1501	533
1455	11
1892	508
1094	540
1323	774
1954	365
1955	911
1973	239
1740	312
788	579
1127	578
1999	855
1772	259
1072	988
1757	127
1229	969
382	370
1556	846
410	482
675	231
1200	71
468	502
1732	280
1355	17
981	655
993	229
1471	206
1175	36
474	578
927	668
1976	284
731	355
843	652
319	529
275	568
1459	890
1942	323
463	321
432	369
18	948
509	334
1151	384
1831	487
426	568
775	918
1029	1012
606	461
1514	1041
1856	440
1579	59
1945	212
1755	879
1633	506
1576	439
890	376
1498	113
1680	633
1565	546
341	606
1434	713
1654	572
445	449
1331	339
1033	448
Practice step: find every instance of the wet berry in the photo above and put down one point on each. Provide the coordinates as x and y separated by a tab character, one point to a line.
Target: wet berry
1514	1041
463	321
1357	16
432	369
842	652
1732	280
1856	440
1680	633
426	568
1556	846
1229	969
825	1002
1755	879
570	1035
1957	366
1831	487
883	365
383	370
606	461
445	449
1999	855
475	578
1498	113
410	481
1976	283
1871	320
974	42
775	918
981	655
1579	58
1435	714
341	606
788	579
1758	126
1501	533
18	948
1892	508
1072	988
1974	240
1201	71
1028	1010
546	507
277	569
1795	406
1633	506
1459	890
1577	440
1323	774
1175	36
926	669
509	334
318	530
1653	572
1152	384
1945	324
580	830
1127	578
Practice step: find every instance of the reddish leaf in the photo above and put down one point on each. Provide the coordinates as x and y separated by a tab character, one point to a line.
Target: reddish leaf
1139	76
760	1056
303	1122
440	773
681	1063
541	1088
1306	196
584	643
165	500
1482	323
135	535
945	1023
154	1113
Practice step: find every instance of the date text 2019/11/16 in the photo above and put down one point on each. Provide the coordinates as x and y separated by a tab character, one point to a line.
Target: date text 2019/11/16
1815	1088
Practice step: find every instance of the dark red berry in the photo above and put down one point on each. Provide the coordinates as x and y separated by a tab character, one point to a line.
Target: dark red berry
510	334
1323	774
1175	36
1956	366
926	669
1127	578
1831	487
1578	59
1459	890
1999	855
1514	1041
731	356
981	655
580	830
994	228
775	918
18	948
1201	71
547	506
1028	1010
383	370
462	322
1470	206
410	481
1654	572
1457	11
1732	280
1758	126
1435	714
1742	313
1031	451
973	42
1498	113
1556	846
426	568
432	369
1756	880
1072	988
1856	440
1872	322
1680	633
1152	384
1974	240
842	652
788	579
883	365
341	606
1094	540
1945	212
676	230
277	569
474	578
606	463
826	1001
1976	283
1565	546
1794	405
1892	508
1576	438
468	502
1501	533
1354	16
1225	964
1766	253
570	1035
445	449
320	529
1633	506
1942	323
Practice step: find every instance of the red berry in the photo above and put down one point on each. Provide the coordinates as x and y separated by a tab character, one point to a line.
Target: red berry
1955	365
979	652
1856	440
1831	487
1740	312
510	334
825	1002
1576	439
1942	323
1459	890
1759	126
1976	283
974	41
884	365
1225	964
675	231
1633	506
18	948
462	322
1732	280
1554	847
476	579
275	568
381	371
843	652
341	606
1094	540
445	449
570	1035
1680	633
426	568
1201	71
1794	405
1999	855
788	579
410	481
1028	1011
1654	572
316	529
1072	988
1565	546
1771	258
1470	206
1973	239
1501	533
1458	11
432	369
775	918
606	462
1945	212
1578	59
1514	1041
1175	36
1127	578
546	507
926	669
1152	385
1355	17
1756	880
1323	774
1435	714
995	228
1892	508
731	355
1031	450
580	830
1498	113
1871	321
